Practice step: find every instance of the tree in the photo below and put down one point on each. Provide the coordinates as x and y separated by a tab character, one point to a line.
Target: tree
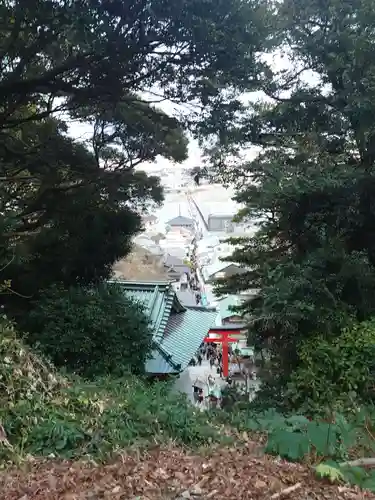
336	373
199	173
88	56
69	219
72	206
312	183
91	332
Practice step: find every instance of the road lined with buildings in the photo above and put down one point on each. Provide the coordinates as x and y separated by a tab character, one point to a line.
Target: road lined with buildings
186	238
196	214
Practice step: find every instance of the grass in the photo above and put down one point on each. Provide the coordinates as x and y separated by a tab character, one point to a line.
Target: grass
44	413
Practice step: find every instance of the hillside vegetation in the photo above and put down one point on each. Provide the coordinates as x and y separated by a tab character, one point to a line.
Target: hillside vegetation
46	414
79	420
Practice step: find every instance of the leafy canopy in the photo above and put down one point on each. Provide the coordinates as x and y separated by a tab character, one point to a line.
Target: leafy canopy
92	332
311	185
69	207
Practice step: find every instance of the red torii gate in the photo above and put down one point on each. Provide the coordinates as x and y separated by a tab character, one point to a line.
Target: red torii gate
225	332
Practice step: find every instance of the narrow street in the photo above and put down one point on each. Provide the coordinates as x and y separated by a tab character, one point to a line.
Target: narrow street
200	374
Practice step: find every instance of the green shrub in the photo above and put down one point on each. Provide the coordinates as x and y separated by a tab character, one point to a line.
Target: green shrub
90	332
335	373
23	375
102	417
44	413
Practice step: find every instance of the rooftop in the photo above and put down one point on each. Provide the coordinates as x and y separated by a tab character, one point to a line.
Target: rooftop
218	266
187	298
176	264
180	220
178	330
170	260
225	305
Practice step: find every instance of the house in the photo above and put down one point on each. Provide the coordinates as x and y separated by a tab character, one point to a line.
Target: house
220	223
147	243
178	330
181	221
221	270
176	270
227	315
149	221
176	242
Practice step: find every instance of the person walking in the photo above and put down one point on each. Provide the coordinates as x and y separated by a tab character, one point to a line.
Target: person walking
200	396
212	362
196	394
199	359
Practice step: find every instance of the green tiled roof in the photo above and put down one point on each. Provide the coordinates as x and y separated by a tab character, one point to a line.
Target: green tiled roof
161	362
185	333
159	300
157	364
178	330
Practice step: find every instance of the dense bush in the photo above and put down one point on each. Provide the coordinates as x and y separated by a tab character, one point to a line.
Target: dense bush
330	443
103	417
43	412
90	332
335	373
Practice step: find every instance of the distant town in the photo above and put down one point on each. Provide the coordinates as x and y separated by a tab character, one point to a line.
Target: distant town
181	252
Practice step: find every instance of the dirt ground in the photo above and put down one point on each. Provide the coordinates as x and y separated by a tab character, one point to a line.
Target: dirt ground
173	474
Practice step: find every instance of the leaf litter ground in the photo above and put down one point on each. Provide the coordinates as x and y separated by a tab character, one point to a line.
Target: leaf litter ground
171	473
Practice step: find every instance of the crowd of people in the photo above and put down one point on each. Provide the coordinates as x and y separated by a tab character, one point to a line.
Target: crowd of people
213	396
208	351
213	354
194	283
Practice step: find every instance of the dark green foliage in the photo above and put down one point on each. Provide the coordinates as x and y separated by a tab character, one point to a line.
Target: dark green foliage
90	332
72	205
43	412
297	438
312	185
102	418
199	173
335	374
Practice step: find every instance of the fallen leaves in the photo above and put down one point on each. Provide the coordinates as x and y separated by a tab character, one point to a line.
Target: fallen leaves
173	474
